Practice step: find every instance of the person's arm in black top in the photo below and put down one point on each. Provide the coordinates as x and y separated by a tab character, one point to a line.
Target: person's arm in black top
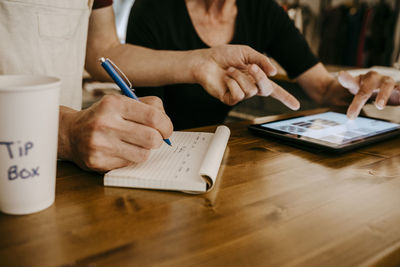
148	26
143	28
285	43
291	50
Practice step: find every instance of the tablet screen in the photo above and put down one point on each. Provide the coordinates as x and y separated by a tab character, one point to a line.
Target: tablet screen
332	128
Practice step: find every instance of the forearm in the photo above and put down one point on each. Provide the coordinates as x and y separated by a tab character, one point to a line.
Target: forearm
143	66
317	82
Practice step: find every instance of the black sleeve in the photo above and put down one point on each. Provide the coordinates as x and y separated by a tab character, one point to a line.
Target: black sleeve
102	3
142	30
142	25
287	45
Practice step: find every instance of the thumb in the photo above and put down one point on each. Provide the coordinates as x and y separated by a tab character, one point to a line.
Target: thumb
395	97
254	57
349	82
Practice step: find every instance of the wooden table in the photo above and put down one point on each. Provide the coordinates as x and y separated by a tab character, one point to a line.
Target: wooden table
273	205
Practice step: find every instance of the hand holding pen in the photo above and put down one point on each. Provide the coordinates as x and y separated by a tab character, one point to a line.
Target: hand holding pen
126	90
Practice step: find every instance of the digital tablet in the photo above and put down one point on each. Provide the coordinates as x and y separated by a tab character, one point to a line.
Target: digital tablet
329	131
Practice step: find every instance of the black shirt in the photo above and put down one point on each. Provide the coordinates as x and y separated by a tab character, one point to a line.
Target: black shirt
260	24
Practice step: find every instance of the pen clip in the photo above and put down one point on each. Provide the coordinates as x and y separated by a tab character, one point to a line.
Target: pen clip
123	74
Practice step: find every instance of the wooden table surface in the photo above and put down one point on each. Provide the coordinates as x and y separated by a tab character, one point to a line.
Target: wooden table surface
273	205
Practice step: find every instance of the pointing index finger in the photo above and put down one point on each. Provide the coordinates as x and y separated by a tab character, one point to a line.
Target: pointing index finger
286	98
349	82
268	87
369	83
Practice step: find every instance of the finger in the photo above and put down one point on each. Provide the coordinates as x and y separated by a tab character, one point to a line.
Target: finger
147	115
349	82
234	94
104	164
286	98
386	89
254	57
267	87
113	163
122	145
139	135
100	153
131	153
245	83
153	101
369	83
395	97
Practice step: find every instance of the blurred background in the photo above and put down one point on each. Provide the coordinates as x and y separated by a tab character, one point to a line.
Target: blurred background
345	34
357	33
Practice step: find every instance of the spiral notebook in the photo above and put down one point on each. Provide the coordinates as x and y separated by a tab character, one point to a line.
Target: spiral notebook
190	165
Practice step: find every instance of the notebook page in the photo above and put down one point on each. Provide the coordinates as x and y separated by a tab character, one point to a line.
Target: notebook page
213	157
170	168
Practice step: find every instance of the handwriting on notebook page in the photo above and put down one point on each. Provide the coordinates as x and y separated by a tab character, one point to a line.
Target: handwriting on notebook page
181	160
186	157
177	167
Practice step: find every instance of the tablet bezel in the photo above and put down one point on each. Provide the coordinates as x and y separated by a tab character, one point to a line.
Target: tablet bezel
308	142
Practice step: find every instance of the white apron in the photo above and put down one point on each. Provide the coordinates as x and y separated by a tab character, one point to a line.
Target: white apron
46	37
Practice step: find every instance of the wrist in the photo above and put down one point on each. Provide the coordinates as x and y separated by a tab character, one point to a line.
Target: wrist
199	66
327	95
64	133
325	90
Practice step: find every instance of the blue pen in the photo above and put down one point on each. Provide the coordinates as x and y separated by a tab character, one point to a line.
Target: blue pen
108	65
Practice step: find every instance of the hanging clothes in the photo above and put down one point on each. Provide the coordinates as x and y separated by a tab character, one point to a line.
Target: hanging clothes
333	39
355	16
379	45
359	35
363	35
396	41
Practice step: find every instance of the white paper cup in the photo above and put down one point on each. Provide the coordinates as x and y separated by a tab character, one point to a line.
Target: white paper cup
29	108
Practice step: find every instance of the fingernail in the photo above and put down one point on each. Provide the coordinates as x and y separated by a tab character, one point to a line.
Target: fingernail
380	104
295	106
273	72
351	116
254	68
265	88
